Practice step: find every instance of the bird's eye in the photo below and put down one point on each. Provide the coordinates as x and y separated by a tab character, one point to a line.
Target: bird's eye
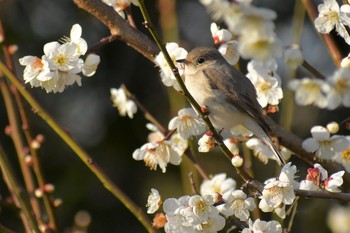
200	60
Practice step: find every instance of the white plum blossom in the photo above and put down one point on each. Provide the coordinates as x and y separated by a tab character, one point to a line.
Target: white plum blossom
220	36
61	64
206	142
340	89
343	158
345	62
237	161
317	179
202	206
158	154
124	105
323	144
232	145
153	201
330	16
266	82
187	123
310	91
261	226
166	73
180	144
120	5
279	192
218	184
238	204
192	214
293	57
227	47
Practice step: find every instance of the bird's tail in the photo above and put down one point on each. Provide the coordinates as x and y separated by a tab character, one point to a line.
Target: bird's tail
264	136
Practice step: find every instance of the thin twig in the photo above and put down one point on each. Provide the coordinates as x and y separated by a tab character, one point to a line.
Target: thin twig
88	161
313	71
24	204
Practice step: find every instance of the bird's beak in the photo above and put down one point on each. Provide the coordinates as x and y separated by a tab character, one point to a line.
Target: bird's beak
181	61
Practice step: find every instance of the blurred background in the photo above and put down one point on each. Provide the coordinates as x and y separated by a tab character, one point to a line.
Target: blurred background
87	112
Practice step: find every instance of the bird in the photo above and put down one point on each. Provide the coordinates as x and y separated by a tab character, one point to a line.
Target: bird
229	95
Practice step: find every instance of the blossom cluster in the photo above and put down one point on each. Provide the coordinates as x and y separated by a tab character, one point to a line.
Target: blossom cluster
61	63
120	5
327	147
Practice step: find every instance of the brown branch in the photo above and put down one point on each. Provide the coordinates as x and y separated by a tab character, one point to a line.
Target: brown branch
323	195
119	27
327	39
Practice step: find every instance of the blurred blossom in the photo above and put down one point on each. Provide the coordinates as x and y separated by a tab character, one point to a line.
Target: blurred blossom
340	89
124	105
187	123
330	16
120	5
260	150
175	53
153	201
317	179
323	144
338	219
345	62
259	226
227	47
310	91
61	63
266	81
279	192
293	57
218	184
343	157
237	160
238	204
231	144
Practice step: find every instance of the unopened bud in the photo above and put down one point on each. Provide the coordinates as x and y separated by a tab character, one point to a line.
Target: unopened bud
8	130
28	160
39	193
237	161
57	202
159	221
333	127
49	188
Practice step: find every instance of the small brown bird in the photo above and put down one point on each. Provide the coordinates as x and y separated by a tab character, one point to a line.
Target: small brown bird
228	94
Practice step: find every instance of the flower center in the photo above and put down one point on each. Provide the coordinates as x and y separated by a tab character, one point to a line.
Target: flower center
38	64
265	86
341	85
61	60
346	154
333	16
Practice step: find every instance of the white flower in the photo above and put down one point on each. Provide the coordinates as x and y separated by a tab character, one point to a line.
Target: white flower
261	226
343	158
158	153
202	206
345	62
279	192
187	123
259	47
90	64
166	73
238	204
206	142
180	144
333	182
213	224
330	16
266	82
293	57
323	144
218	184
229	51
310	91
317	179
220	36
61	63
340	88
75	38
153	201
124	105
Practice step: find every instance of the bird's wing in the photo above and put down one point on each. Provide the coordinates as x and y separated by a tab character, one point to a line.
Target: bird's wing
238	90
